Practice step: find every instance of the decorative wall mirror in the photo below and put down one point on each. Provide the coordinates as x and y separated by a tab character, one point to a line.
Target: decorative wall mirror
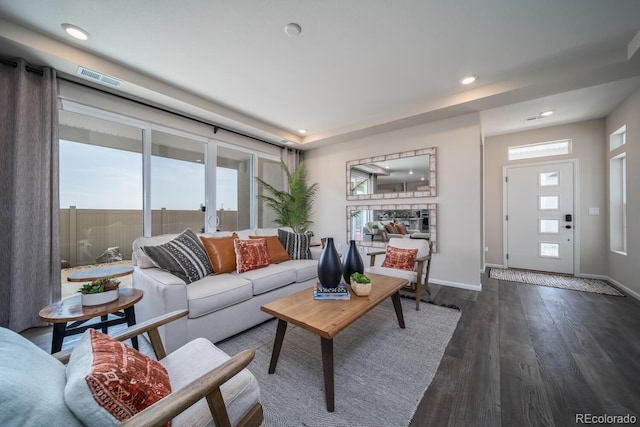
406	174
366	224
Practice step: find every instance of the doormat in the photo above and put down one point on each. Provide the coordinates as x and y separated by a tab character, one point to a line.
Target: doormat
554	281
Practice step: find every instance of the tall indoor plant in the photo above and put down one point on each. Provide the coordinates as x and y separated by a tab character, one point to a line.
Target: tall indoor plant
292	208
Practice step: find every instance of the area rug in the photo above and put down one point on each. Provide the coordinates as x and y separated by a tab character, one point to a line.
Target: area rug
554	281
381	371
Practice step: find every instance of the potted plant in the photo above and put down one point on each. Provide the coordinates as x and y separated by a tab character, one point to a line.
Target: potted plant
100	291
291	208
360	284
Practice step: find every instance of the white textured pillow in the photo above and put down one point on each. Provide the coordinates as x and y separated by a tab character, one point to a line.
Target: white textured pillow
31	385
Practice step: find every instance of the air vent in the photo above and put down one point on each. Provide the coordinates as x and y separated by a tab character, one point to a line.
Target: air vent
98	77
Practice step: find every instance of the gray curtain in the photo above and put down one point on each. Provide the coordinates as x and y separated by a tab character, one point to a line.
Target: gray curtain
29	201
292	159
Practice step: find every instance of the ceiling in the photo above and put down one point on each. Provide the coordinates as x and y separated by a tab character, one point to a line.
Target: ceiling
357	68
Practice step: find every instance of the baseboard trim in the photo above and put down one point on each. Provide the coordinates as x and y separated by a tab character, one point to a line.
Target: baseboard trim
624	288
593	276
494	266
466	286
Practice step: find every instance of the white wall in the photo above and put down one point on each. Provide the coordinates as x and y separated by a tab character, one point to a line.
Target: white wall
588	139
458	261
624	269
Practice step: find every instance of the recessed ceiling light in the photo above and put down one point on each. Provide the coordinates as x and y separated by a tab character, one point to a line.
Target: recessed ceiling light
76	32
468	79
546	113
302	131
292	29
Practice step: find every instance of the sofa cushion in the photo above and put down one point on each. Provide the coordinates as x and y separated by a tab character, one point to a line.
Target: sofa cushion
184	256
216	292
193	360
108	381
270	277
221	253
31	385
296	244
277	252
250	254
306	269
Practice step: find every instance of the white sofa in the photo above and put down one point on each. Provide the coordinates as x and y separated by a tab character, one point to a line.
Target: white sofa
220	305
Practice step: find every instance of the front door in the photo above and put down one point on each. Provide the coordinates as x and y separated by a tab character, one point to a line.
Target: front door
539	217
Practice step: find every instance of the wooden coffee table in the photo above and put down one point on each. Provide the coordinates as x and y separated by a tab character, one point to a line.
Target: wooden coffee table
71	310
328	317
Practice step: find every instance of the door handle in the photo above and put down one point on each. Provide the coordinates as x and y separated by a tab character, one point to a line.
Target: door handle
567	226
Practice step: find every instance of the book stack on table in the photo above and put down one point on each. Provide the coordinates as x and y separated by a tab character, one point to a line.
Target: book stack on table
340	292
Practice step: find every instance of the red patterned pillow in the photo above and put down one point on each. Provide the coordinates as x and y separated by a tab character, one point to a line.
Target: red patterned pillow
251	254
108	381
403	259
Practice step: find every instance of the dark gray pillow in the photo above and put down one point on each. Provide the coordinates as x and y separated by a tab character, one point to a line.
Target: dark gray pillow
184	257
297	245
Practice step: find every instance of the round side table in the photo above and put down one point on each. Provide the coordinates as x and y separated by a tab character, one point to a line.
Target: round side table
71	310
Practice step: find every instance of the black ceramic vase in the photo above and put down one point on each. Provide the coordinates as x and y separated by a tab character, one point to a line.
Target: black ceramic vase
329	266
351	262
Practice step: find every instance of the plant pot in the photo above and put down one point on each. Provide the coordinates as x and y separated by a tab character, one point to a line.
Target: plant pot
361	289
101	298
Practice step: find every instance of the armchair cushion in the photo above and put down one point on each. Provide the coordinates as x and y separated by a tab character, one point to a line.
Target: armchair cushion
193	360
31	385
184	256
403	259
109	382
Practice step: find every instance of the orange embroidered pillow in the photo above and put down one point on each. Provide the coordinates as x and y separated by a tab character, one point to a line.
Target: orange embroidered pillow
221	253
109	382
403	259
251	254
277	252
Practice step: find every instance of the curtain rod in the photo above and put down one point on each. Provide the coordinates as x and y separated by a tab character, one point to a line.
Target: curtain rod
216	128
27	67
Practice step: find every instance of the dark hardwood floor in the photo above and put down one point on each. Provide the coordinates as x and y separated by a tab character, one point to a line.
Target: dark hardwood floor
525	355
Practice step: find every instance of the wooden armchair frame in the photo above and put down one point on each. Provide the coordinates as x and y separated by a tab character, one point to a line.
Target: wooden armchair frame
416	287
207	386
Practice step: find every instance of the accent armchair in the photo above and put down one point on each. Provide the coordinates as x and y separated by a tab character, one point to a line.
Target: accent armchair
414	268
206	384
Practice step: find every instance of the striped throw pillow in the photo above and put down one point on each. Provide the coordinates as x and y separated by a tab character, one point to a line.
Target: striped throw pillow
184	257
296	244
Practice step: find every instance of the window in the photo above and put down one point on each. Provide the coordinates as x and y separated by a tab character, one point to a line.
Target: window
548	203
544	149
618	203
618	138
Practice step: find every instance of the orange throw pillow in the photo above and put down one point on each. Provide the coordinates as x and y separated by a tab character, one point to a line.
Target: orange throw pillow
400	228
251	254
403	259
390	228
277	252
221	253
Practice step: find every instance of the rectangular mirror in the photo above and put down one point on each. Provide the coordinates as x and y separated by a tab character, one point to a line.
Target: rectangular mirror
368	225
406	174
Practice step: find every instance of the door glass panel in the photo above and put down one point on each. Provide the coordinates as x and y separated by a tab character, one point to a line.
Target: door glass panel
549	226
549	250
548	179
271	173
100	193
548	203
177	184
233	189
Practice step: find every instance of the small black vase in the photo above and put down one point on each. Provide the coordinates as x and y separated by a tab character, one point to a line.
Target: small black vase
329	266
351	262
